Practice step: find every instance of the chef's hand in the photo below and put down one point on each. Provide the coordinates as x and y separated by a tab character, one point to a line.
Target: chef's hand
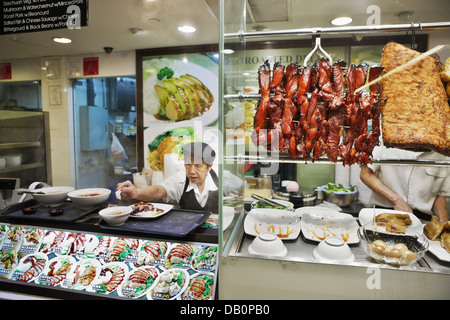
128	190
402	205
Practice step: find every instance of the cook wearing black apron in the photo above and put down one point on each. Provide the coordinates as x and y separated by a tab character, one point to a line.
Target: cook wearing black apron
198	190
189	201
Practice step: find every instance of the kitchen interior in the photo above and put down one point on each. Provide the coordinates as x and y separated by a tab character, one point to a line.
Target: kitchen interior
78	118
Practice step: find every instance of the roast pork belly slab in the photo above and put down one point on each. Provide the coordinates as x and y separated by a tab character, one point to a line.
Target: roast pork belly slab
416	114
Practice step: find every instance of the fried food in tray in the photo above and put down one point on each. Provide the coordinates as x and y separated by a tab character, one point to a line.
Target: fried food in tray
416	114
394	222
437	231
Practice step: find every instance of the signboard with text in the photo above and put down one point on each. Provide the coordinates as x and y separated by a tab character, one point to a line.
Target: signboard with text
22	16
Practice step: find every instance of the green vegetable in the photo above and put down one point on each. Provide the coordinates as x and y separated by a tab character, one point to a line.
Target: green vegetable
262	204
331	187
187	132
165	72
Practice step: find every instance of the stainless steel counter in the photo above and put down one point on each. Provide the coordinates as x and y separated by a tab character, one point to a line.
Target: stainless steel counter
301	250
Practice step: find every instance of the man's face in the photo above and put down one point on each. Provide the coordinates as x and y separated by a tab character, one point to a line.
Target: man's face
196	171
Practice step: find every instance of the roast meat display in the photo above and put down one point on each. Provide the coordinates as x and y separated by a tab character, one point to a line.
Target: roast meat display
314	111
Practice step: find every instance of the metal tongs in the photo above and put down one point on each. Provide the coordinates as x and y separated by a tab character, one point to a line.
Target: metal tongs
269	202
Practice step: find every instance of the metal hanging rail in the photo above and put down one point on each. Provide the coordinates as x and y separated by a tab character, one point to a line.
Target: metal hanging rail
284	158
339	30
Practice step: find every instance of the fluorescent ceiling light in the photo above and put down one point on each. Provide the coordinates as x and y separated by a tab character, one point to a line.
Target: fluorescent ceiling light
62	40
228	51
341	21
187	29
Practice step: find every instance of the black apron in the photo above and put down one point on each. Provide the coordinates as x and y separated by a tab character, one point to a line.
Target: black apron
189	201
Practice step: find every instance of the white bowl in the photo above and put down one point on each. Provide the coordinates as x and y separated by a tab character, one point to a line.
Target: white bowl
333	250
53	196
289	205
90	197
14	160
116	216
268	244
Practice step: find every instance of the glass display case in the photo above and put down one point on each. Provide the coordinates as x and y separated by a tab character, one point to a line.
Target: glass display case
250	36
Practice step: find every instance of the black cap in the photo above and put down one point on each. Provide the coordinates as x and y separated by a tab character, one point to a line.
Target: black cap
199	150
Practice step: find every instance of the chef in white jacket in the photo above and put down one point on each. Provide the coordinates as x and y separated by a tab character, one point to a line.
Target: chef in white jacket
421	190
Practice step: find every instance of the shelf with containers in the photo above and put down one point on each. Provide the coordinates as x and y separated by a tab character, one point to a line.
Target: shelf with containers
242	52
25	146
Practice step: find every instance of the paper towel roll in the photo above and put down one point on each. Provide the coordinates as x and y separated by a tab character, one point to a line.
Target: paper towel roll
342	174
364	192
172	164
157	177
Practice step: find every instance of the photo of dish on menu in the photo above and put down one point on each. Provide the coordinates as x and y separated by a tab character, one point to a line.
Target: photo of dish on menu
179	88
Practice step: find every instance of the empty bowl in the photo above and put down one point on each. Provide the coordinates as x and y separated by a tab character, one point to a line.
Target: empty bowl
90	197
51	196
115	216
333	250
268	244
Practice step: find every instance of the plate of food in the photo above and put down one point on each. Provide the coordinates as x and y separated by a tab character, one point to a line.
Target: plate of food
83	274
110	278
30	267
391	220
151	253
438	235
147	210
318	225
139	282
180	255
205	259
200	287
169	285
176	91
285	224
56	271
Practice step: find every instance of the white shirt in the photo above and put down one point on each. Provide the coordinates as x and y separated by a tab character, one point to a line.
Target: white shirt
174	186
417	185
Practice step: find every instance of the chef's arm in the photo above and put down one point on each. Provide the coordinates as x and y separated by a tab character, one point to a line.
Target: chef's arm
440	208
373	182
149	193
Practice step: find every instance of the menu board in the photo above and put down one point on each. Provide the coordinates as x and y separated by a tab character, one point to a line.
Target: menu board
21	16
111	265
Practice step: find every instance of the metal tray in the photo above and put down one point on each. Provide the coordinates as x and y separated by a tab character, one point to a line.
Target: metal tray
176	223
71	211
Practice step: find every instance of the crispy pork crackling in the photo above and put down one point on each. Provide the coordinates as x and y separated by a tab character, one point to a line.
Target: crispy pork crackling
416	114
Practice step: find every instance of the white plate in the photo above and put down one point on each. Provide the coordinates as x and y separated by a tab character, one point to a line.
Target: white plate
318	225
81	266
227	217
97	285
436	249
151	215
208	264
159	279
23	267
186	294
317	209
366	216
285	224
59	279
130	294
151	102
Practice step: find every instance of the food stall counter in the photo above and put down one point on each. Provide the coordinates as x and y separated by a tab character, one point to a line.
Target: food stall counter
83	259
